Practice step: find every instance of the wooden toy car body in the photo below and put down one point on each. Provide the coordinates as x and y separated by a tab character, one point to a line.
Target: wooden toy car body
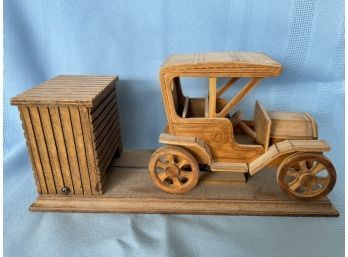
200	131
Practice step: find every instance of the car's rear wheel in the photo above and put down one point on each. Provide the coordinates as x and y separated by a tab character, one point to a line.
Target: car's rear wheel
306	176
174	169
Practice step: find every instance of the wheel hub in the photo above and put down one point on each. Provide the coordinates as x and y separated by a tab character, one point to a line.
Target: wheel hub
307	179
172	171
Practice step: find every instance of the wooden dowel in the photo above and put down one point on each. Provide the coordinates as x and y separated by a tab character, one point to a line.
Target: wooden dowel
212	97
186	106
236	99
206	107
225	87
247	129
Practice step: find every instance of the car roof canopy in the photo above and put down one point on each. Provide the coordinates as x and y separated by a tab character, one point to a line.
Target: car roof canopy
222	64
213	65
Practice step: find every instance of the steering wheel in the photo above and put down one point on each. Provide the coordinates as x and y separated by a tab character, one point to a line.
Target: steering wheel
236	118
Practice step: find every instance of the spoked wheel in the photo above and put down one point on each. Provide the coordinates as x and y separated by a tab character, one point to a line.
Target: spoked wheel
306	176
173	169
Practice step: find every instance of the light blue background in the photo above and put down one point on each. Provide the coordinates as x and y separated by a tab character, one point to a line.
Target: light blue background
131	39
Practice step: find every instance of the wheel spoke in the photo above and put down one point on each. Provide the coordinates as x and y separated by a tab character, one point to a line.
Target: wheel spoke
323	180
161	164
185	174
291	174
317	168
309	190
170	158
293	185
182	163
162	176
177	182
303	166
173	169
310	164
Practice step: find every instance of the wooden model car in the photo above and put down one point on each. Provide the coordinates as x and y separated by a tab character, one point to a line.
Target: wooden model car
202	133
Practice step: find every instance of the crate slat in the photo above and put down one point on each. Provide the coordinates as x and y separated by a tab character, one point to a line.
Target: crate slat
104	112
105	143
96	110
41	143
87	135
111	149
104	168
104	128
61	148
110	157
51	147
71	149
110	108
80	149
34	153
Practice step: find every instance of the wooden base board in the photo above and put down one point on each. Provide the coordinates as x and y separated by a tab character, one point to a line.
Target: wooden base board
130	190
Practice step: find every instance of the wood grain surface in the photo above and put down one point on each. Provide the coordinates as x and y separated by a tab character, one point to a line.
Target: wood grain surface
130	190
72	129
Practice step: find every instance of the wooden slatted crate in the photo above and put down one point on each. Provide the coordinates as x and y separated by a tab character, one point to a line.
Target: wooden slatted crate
72	129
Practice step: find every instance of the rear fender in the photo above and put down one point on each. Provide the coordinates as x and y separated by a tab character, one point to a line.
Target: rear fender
199	149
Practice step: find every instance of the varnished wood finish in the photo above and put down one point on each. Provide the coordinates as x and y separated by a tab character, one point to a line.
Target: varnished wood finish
173	169
222	64
292	125
84	91
285	148
250	132
42	147
212	98
34	152
239	96
206	107
213	125
130	190
229	167
218	134
51	147
272	136
72	129
226	86
262	126
195	146
186	107
71	149
306	176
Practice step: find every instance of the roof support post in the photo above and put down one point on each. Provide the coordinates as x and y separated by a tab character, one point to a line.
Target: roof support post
239	96
212	97
226	86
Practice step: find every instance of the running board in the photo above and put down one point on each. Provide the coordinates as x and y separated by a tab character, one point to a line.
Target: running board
229	167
